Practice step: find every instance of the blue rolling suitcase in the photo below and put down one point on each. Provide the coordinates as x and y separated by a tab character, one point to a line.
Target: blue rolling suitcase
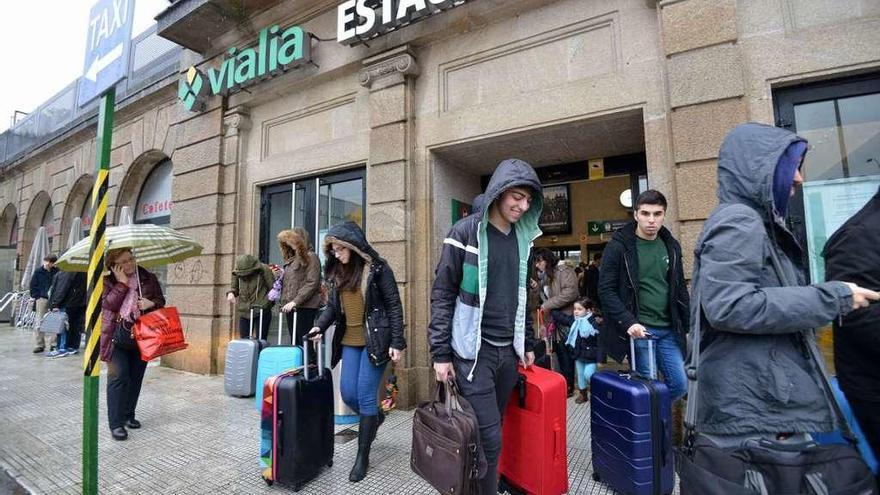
275	361
630	419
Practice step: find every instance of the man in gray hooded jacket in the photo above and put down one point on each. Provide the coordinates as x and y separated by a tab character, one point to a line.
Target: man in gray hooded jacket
756	377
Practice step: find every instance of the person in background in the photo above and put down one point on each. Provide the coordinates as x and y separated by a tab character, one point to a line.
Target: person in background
591	280
129	291
558	292
480	326
251	282
41	282
852	255
644	295
364	303
757	376
69	295
583	343
300	284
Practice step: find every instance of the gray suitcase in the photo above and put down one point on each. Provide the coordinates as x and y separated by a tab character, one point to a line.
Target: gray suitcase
239	378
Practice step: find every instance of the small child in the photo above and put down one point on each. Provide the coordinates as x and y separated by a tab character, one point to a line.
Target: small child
583	339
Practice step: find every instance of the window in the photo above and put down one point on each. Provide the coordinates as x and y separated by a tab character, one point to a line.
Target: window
154	202
841	121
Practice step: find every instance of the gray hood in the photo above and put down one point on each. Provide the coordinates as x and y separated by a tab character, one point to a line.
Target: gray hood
746	163
511	173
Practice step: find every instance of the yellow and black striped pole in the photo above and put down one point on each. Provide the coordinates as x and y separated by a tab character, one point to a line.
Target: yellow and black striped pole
91	361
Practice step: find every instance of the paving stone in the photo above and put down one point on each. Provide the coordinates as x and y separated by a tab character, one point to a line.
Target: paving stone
195	439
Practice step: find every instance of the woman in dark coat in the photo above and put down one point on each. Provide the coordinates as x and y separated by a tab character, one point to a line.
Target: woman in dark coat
365	306
121	303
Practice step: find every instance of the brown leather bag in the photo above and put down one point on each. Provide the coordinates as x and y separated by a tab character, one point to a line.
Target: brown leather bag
446	449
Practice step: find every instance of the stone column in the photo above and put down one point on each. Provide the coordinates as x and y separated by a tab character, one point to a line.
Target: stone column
389	79
203	209
705	88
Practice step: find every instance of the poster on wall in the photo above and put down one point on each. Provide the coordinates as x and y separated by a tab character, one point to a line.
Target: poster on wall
460	210
556	217
827	205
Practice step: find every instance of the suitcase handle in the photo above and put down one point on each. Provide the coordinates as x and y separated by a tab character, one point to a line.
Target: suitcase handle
558	442
521	388
320	353
652	363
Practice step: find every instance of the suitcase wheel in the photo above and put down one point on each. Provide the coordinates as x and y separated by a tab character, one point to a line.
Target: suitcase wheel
268	481
596	476
297	488
330	463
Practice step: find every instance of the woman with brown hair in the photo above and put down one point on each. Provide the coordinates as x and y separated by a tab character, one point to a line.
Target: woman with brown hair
365	306
558	290
300	284
129	291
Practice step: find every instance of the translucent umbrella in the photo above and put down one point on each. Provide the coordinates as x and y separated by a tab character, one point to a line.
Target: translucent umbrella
75	232
39	250
151	245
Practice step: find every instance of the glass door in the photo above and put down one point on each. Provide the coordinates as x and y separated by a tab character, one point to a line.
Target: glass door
315	204
841	121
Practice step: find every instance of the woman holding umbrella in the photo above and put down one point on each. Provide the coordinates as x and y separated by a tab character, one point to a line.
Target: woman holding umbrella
129	291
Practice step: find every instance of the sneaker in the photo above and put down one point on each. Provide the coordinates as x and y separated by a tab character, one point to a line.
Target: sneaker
71	352
54	354
38	349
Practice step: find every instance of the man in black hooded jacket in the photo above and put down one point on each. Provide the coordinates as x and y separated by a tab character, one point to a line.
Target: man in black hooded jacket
851	255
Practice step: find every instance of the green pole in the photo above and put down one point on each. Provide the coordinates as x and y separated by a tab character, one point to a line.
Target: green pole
91	363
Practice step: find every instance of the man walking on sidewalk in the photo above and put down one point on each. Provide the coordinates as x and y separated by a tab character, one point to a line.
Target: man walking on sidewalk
643	293
69	295
480	325
41	281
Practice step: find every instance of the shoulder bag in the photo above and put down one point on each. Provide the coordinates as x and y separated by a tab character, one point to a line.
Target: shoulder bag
762	466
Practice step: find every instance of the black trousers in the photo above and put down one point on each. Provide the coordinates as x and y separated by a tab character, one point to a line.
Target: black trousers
244	326
867	413
125	374
566	363
493	381
76	323
305	320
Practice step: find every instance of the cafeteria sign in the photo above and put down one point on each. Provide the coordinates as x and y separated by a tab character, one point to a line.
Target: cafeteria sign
276	52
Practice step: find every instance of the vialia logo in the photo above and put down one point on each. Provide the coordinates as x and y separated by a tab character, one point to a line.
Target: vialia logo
277	51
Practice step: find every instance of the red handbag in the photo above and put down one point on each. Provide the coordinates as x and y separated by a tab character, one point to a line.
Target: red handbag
159	333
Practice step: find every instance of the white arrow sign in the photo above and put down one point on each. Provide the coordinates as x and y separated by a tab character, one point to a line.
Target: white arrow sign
100	63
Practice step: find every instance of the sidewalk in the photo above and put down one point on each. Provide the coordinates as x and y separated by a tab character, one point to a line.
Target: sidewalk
195	440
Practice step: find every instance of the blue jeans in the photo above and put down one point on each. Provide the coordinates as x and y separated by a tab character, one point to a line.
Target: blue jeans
668	357
360	380
583	370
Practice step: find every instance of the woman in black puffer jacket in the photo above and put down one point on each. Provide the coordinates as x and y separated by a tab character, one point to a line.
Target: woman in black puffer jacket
365	306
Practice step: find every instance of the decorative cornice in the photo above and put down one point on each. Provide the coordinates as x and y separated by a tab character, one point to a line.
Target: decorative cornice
397	61
236	120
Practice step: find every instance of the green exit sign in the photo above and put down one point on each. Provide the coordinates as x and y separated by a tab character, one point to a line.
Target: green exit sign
595	228
605	226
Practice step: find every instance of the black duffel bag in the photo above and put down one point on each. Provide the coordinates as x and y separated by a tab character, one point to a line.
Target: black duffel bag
762	466
765	467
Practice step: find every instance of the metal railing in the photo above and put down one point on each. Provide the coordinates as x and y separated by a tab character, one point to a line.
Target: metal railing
151	60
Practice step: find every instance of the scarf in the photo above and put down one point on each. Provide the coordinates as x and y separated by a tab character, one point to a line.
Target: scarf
580	328
129	310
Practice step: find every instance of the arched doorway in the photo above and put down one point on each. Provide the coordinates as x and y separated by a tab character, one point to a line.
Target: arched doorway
77	205
146	190
8	254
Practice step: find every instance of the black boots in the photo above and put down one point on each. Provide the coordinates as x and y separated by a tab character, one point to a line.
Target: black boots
366	435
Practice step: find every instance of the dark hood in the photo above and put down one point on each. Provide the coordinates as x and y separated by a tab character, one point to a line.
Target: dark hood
245	265
351	235
746	164
511	173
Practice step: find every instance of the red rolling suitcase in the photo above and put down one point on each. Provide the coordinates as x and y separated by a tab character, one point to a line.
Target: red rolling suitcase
534	458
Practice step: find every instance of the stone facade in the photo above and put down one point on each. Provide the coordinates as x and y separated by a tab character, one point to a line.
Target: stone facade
421	110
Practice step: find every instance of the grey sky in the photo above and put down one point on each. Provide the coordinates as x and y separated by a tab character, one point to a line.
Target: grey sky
44	48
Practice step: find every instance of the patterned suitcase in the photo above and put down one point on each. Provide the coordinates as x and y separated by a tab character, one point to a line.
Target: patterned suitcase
276	360
296	434
239	376
630	420
534	458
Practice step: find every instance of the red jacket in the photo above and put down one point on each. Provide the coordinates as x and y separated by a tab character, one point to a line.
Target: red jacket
112	299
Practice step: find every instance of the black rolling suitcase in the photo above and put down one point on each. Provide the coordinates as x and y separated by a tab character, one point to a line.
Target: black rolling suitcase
302	424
